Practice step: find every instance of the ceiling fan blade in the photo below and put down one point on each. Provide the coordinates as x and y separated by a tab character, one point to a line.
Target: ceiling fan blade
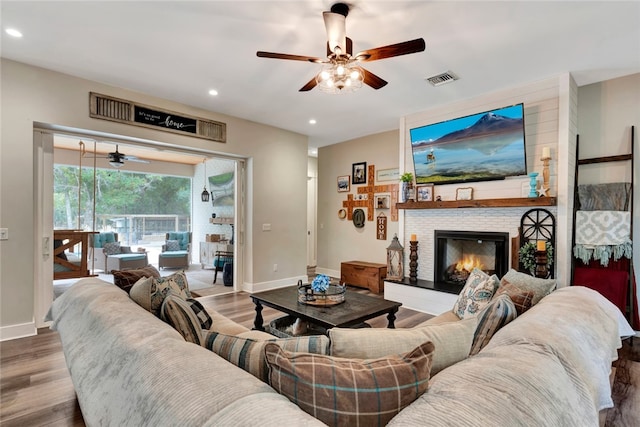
404	48
310	85
134	159
335	24
373	80
262	54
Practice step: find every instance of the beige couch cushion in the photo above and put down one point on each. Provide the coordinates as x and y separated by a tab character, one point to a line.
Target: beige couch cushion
446	317
452	342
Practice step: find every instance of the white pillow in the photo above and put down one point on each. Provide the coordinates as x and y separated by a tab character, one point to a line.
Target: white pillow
476	294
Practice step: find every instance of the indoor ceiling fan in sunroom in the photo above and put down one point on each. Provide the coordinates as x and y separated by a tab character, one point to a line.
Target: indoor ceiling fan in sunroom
341	71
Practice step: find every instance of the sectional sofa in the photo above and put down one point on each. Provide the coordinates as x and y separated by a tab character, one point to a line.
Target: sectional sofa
548	367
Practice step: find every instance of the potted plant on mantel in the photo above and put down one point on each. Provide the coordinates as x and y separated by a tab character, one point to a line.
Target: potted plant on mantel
407	193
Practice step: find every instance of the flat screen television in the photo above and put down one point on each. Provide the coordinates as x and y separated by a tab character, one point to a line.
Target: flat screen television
481	147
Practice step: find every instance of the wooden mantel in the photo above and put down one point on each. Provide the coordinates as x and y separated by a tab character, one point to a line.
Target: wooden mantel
482	203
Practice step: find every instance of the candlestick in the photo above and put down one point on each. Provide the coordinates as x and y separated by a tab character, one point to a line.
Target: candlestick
541	245
533	184
413	260
546	153
413	238
542	270
544	191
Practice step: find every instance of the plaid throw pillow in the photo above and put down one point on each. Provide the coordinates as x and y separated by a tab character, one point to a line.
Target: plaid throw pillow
350	392
187	317
173	245
125	279
522	299
497	314
249	354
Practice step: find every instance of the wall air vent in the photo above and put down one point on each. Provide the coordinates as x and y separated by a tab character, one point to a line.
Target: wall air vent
122	111
440	79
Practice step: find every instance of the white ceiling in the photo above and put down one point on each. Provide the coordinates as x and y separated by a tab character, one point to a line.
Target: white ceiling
180	50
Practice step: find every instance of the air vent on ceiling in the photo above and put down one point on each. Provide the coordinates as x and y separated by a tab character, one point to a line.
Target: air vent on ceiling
440	79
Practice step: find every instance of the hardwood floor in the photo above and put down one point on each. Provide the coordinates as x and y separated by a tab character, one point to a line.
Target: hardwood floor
36	388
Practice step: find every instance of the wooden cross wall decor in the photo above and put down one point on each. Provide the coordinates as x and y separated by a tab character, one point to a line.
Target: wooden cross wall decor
370	190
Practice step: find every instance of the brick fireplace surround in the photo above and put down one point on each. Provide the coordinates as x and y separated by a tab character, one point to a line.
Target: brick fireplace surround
423	223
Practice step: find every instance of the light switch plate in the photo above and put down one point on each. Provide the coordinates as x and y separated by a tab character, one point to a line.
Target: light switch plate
4	234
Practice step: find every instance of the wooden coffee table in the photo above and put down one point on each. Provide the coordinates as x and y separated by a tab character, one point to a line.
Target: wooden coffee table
352	312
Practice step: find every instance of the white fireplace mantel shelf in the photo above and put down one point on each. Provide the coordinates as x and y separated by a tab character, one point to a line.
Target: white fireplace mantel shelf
481	203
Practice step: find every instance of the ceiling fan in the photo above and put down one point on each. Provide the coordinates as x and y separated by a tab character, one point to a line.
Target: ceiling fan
116	159
341	72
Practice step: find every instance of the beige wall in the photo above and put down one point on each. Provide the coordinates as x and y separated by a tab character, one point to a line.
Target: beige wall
338	239
277	171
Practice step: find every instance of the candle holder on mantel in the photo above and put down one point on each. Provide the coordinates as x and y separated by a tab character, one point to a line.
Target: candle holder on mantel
413	261
546	157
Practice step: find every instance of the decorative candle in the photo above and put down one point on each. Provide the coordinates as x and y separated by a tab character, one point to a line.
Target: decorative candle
413	238
546	153
541	245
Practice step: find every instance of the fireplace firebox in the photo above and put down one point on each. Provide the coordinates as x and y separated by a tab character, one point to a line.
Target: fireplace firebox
457	253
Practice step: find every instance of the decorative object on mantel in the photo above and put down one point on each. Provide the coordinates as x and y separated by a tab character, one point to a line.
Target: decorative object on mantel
205	194
359	173
464	193
381	229
321	292
395	260
107	107
413	259
533	184
408	193
424	193
546	156
343	184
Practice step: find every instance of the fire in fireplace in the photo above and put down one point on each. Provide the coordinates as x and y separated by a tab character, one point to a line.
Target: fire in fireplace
457	253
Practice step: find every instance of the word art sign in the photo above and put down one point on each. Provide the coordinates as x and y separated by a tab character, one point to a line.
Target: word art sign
163	120
381	227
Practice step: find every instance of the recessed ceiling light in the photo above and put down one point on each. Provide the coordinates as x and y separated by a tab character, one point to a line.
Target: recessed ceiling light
13	32
213	92
312	122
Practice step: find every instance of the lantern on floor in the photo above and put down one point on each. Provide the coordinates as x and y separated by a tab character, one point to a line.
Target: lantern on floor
395	260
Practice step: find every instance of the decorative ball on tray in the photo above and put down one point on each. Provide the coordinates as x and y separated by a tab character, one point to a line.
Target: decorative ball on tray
321	292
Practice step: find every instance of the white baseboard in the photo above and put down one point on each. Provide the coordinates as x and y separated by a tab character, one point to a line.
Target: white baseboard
328	272
21	330
274	284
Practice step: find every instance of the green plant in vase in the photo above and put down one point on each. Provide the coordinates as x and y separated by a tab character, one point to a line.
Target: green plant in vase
527	256
407	187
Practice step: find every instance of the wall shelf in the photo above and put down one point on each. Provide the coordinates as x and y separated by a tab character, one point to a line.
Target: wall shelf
221	221
482	203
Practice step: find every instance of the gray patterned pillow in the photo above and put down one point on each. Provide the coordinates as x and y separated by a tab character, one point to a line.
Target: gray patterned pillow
496	315
187	317
248	354
150	292
476	294
111	248
173	245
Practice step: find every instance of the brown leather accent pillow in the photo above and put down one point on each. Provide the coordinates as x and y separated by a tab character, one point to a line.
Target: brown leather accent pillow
125	279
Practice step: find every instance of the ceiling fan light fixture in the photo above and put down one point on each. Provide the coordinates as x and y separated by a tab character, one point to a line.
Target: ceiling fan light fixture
116	164
340	77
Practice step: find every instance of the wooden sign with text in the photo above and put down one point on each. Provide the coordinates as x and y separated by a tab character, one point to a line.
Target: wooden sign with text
381	227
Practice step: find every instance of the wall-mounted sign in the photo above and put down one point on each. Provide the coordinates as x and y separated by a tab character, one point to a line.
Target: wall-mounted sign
164	120
388	174
381	227
122	111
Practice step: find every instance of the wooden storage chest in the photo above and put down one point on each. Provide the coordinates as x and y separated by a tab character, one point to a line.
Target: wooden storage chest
364	274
